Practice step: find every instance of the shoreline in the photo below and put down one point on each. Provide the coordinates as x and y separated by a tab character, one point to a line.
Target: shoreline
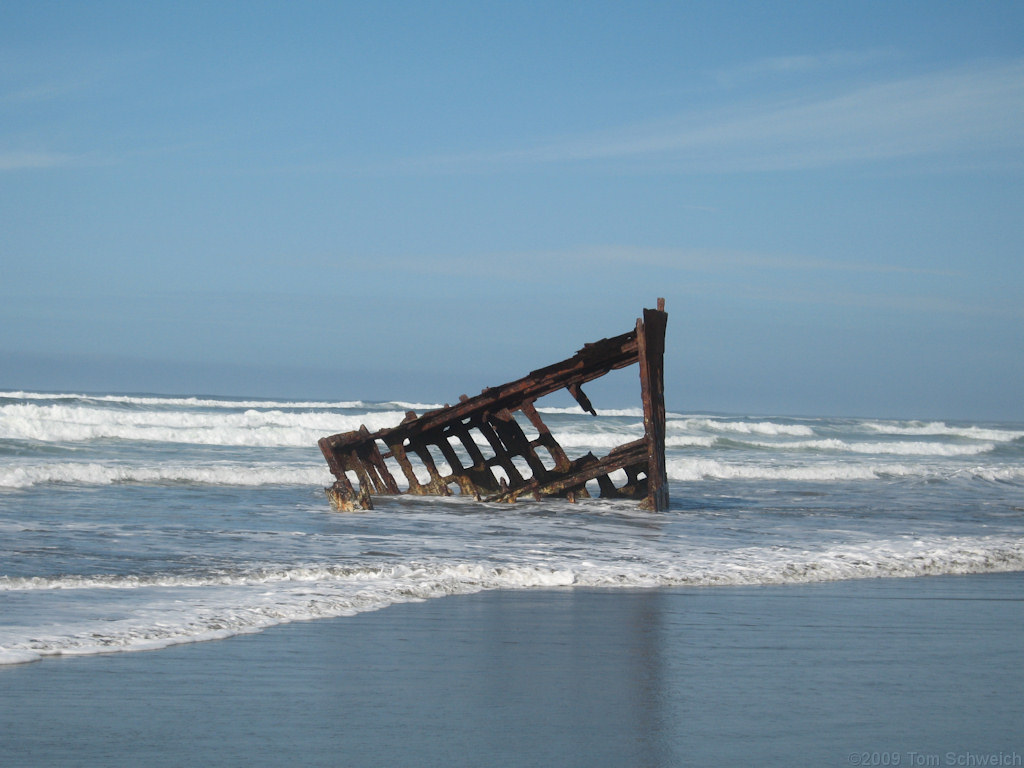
778	675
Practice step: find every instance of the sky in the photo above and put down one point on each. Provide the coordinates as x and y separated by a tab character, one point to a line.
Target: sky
416	200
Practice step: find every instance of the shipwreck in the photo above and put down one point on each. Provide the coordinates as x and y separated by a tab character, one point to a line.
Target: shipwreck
477	447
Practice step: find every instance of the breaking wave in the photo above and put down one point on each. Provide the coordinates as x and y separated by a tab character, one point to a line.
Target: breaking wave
273	428
941	428
739	427
209	402
693	470
213	473
244	602
897	448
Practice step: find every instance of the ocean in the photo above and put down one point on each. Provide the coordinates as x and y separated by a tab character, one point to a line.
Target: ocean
141	522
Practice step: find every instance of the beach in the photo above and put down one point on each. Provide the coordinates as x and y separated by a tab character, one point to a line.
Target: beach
175	590
526	384
867	672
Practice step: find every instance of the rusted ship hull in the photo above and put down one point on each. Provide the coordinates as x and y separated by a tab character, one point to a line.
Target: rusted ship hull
498	462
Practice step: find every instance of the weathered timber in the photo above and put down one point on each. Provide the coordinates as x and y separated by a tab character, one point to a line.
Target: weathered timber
516	465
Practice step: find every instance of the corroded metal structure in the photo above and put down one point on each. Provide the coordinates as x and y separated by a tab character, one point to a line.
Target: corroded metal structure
479	448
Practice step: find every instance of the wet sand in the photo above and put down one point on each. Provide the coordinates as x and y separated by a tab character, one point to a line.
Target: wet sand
924	670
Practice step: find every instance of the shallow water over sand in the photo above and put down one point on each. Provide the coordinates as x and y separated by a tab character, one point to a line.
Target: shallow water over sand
827	674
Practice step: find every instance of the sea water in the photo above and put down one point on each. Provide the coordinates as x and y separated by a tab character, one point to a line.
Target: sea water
140	522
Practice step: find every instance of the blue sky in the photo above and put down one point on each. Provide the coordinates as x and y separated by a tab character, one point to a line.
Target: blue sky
399	199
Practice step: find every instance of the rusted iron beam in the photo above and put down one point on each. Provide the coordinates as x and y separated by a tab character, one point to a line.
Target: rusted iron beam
516	465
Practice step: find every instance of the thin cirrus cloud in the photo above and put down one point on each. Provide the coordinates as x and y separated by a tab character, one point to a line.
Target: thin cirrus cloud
15	161
960	114
800	64
671	263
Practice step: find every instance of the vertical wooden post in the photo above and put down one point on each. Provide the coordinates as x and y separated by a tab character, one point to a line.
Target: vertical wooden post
650	334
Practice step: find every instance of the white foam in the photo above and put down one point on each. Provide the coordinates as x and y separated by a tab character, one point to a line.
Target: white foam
212	473
941	428
612	439
309	574
68	424
571	439
10	657
575	410
418	407
1007	474
689	441
696	469
739	427
155	613
692	470
902	558
914	448
218	611
183	402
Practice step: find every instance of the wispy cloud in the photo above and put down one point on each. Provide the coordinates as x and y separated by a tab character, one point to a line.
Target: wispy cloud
815	64
917	303
722	260
15	161
673	263
957	113
38	93
719	275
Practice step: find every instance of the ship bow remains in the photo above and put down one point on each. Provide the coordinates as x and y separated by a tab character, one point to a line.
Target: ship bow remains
478	446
